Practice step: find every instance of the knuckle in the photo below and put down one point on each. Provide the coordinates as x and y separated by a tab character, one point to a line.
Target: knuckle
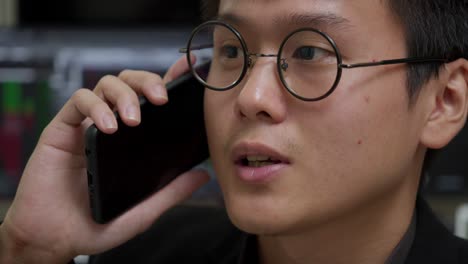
123	75
99	107
140	79
155	77
106	79
151	79
80	94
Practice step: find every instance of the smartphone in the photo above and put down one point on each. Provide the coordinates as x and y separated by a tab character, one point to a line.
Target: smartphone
126	167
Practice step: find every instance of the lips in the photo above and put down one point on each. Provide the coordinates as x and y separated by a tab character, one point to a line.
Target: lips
258	163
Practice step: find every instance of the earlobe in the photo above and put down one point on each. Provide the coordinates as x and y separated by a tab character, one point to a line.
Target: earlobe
449	105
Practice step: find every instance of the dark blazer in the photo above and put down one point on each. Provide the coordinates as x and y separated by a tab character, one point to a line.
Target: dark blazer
206	235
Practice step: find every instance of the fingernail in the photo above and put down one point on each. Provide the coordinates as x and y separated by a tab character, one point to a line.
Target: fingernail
159	91
109	121
131	112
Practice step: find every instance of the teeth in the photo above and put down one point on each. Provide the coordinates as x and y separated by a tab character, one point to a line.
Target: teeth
259	163
257	158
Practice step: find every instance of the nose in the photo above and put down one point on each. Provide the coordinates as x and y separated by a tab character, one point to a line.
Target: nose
262	96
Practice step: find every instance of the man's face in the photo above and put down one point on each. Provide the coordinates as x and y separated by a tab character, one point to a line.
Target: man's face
321	160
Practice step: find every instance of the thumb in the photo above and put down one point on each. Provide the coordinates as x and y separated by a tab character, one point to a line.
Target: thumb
141	217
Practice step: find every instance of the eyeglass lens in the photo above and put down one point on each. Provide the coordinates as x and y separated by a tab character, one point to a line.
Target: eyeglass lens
307	63
218	44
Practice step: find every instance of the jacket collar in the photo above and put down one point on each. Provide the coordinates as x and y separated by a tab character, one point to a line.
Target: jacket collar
431	242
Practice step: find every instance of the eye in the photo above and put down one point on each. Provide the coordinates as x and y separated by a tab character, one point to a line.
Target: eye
230	52
305	53
310	53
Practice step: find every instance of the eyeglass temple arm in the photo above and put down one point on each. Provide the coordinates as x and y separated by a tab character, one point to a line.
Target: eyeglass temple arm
387	62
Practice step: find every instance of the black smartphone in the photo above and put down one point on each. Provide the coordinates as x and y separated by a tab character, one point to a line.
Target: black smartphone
126	167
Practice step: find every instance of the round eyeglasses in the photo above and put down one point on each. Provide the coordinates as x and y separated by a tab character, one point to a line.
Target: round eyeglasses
309	62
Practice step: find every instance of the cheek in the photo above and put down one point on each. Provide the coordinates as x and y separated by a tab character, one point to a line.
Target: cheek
370	120
218	116
220	123
361	147
213	124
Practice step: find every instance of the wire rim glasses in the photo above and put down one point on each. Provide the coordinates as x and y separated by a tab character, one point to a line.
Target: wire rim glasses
308	62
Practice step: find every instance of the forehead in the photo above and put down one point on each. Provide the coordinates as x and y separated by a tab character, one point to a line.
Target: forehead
273	13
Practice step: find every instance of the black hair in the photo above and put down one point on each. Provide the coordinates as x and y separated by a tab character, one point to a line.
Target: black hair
433	28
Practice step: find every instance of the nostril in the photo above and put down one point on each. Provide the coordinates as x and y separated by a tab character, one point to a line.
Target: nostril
263	114
241	114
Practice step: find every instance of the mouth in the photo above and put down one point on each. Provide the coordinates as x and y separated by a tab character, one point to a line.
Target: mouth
257	161
257	155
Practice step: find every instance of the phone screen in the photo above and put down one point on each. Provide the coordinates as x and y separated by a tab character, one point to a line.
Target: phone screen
126	167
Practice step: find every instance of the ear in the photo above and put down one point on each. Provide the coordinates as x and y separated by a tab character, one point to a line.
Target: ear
448	105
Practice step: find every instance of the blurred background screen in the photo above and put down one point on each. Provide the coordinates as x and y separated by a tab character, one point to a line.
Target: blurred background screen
25	110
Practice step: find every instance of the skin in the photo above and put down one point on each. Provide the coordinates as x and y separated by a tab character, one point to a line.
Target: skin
354	157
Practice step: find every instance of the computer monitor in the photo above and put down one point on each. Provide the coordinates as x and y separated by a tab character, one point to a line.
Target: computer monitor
25	110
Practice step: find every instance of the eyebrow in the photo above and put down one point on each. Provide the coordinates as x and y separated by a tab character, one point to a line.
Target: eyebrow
316	20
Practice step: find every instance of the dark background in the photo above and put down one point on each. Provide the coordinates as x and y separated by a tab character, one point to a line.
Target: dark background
108	13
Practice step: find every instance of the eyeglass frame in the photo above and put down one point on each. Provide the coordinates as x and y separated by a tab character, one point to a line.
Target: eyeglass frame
248	62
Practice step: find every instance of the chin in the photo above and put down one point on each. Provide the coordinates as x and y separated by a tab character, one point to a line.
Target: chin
255	224
254	217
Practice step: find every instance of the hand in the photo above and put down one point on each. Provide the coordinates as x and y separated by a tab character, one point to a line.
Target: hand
50	219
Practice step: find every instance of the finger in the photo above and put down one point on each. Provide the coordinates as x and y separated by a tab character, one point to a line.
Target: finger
118	93
141	217
84	103
149	84
177	69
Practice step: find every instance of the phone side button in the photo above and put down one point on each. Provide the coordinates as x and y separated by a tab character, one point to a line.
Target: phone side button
90	184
